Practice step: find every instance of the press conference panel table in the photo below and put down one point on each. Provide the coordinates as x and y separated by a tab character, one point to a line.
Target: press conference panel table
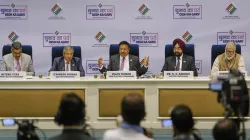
40	98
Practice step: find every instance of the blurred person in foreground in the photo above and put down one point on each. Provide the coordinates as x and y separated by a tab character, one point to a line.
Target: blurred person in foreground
183	124
133	112
228	60
225	130
71	114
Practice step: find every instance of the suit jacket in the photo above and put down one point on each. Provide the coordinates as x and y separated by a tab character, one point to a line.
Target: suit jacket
26	63
134	65
72	134
76	65
188	64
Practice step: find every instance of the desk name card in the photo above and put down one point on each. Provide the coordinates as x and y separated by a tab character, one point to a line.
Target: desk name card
224	74
74	75
121	75
12	75
178	74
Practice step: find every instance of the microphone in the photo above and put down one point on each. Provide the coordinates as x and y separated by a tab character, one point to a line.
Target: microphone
136	71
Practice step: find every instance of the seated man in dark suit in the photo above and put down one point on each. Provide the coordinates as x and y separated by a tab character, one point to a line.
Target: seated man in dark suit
71	114
124	61
180	61
67	62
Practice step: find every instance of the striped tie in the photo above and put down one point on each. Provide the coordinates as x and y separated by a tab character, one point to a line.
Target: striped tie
122	65
18	67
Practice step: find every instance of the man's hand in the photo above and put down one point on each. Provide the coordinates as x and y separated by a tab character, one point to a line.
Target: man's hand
146	60
100	62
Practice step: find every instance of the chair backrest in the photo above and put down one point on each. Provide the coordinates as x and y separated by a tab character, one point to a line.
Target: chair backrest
220	49
189	50
27	49
114	49
57	51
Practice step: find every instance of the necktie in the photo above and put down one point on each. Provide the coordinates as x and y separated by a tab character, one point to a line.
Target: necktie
18	67
67	66
178	64
122	64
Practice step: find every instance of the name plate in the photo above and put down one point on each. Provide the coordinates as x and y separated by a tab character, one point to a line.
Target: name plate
58	75
121	75
11	75
178	74
224	74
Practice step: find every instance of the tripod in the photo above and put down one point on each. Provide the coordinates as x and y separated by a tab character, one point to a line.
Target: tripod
239	119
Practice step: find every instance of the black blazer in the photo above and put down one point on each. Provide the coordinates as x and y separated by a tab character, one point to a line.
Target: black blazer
72	134
76	65
134	65
188	64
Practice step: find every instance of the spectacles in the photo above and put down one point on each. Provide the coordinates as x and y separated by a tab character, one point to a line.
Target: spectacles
68	53
230	52
177	49
16	53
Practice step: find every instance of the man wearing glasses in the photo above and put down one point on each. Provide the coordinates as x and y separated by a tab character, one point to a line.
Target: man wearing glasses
67	62
179	61
16	60
229	59
124	61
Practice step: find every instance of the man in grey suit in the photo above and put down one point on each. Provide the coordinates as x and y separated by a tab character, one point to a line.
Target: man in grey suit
67	62
180	61
16	60
124	61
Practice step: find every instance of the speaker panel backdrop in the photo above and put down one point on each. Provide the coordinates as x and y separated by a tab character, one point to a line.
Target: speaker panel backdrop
95	24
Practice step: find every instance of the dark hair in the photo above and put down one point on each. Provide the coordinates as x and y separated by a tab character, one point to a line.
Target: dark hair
225	130
124	43
16	45
179	42
182	118
133	108
71	110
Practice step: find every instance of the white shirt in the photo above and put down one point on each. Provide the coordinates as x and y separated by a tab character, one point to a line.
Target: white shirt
126	63
124	134
15	63
180	62
65	68
215	68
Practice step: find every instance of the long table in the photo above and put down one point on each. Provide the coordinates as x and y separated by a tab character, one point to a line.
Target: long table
39	98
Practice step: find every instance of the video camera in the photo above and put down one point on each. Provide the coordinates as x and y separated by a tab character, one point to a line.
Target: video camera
233	94
26	128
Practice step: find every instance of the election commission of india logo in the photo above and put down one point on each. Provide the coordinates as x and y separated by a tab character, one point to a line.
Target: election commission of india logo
100	37
56	9
57	12
231	11
143	9
144	12
187	36
13	36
